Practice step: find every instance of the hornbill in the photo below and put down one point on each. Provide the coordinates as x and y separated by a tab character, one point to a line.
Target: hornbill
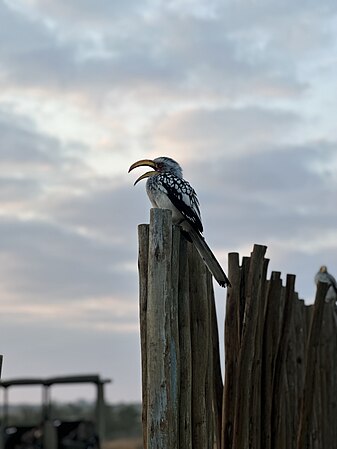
167	189
324	276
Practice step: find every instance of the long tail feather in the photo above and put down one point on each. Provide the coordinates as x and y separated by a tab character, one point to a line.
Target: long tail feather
209	258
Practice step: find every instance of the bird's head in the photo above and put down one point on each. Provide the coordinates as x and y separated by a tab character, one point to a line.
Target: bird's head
159	165
323	269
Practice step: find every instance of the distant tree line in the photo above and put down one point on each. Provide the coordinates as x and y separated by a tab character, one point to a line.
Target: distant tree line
122	420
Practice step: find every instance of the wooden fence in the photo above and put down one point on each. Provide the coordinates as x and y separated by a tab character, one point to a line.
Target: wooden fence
280	388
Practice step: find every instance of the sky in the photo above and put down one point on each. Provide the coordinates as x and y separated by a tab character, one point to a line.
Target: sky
241	92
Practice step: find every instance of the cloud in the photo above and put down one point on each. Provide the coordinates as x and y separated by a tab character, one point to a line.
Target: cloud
16	190
229	131
26	149
107	208
34	164
23	146
192	56
70	351
62	228
84	13
50	261
241	93
269	195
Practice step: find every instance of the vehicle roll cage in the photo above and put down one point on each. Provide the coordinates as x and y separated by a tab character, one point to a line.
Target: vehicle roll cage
47	383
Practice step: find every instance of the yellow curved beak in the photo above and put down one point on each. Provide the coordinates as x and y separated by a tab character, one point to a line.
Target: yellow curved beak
141	163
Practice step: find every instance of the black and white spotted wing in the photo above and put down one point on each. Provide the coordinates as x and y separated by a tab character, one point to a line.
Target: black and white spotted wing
183	197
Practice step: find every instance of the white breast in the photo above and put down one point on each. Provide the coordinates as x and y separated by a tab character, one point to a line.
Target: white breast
160	199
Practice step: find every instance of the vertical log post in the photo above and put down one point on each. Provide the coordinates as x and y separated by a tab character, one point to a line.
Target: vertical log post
280	360
270	343
242	429
304	434
161	427
232	345
279	374
255	406
181	373
143	253
185	405
218	386
200	339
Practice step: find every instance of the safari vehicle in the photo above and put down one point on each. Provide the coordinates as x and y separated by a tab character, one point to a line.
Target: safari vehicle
52	432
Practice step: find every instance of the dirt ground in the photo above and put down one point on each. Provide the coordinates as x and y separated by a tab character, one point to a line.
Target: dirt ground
125	443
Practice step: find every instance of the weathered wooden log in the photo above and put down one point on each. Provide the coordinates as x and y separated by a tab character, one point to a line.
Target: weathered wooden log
174	343
242	435
185	407
200	343
255	406
143	252
280	355
161	428
232	345
280	358
218	386
270	343
304	432
181	372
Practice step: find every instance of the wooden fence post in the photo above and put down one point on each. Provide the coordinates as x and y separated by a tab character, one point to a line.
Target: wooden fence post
181	374
232	345
143	253
185	405
161	429
280	361
270	343
200	335
242	430
304	434
279	374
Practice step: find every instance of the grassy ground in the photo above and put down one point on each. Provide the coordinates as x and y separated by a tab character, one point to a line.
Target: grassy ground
124	443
